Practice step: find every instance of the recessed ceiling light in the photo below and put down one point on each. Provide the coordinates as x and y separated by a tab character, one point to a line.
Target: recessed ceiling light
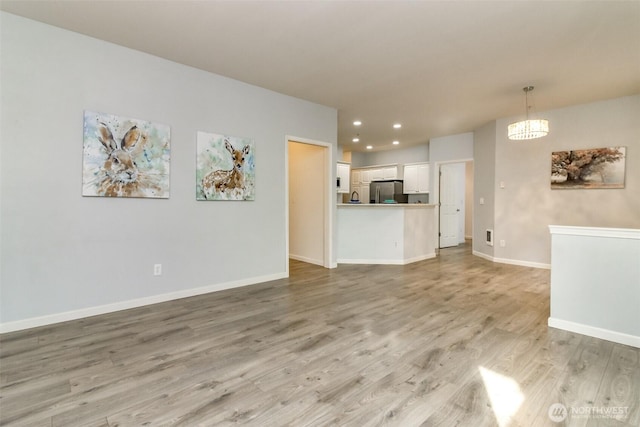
396	142
369	147
356	139
357	123
397	125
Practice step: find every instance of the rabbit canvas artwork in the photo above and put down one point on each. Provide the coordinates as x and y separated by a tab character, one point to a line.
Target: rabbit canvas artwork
125	157
225	168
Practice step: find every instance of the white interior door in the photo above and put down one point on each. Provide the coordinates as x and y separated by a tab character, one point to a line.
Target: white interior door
450	205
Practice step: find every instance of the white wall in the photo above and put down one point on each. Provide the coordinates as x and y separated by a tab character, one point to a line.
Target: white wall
520	212
484	164
595	282
418	153
63	255
452	147
468	201
526	205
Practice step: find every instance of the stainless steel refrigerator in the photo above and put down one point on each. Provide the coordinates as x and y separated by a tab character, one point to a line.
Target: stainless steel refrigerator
389	191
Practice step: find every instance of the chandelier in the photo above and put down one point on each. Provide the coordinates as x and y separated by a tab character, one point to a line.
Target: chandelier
528	128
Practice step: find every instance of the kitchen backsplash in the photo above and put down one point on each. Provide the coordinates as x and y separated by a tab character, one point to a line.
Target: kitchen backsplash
419	198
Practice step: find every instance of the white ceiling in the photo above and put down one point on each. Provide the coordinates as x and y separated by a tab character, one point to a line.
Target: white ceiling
437	67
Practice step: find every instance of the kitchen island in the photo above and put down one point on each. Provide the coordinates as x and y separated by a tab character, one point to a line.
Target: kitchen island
386	233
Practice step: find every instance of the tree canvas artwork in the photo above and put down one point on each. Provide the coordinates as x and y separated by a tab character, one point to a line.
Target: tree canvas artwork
590	168
124	157
225	167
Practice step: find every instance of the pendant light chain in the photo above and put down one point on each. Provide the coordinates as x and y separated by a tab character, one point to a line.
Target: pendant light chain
528	129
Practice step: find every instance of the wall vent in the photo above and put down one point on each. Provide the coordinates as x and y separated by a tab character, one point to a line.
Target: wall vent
489	237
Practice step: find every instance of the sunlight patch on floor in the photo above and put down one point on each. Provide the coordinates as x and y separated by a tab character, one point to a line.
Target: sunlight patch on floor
504	393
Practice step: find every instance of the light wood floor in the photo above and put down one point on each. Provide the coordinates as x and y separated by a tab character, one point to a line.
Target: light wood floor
452	341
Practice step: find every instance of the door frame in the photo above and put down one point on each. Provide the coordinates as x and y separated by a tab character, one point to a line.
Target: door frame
329	201
436	191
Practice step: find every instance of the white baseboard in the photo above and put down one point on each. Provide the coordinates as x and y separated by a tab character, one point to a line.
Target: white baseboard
50	319
481	255
420	258
307	260
513	261
387	261
592	331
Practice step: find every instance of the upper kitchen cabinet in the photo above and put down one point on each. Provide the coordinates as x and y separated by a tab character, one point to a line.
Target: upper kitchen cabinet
390	172
416	178
375	173
343	175
361	178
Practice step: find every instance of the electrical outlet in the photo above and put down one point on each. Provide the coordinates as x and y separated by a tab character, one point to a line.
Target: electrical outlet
157	269
503	243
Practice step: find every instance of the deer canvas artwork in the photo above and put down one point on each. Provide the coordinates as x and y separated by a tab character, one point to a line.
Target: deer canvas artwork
125	157
225	168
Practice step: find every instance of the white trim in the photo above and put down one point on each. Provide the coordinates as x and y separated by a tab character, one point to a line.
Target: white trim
50	319
523	263
434	196
387	205
616	233
387	261
307	260
482	255
513	261
416	163
379	166
329	202
595	332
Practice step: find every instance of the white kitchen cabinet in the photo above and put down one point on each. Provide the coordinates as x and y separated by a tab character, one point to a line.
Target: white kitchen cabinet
374	173
387	172
363	192
343	174
377	174
410	180
366	176
358	186
423	178
390	172
416	178
362	177
356	177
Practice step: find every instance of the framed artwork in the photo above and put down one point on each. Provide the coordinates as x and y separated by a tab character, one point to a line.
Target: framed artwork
590	168
225	167
124	157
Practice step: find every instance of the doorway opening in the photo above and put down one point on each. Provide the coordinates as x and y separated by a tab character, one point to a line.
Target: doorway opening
308	202
455	203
